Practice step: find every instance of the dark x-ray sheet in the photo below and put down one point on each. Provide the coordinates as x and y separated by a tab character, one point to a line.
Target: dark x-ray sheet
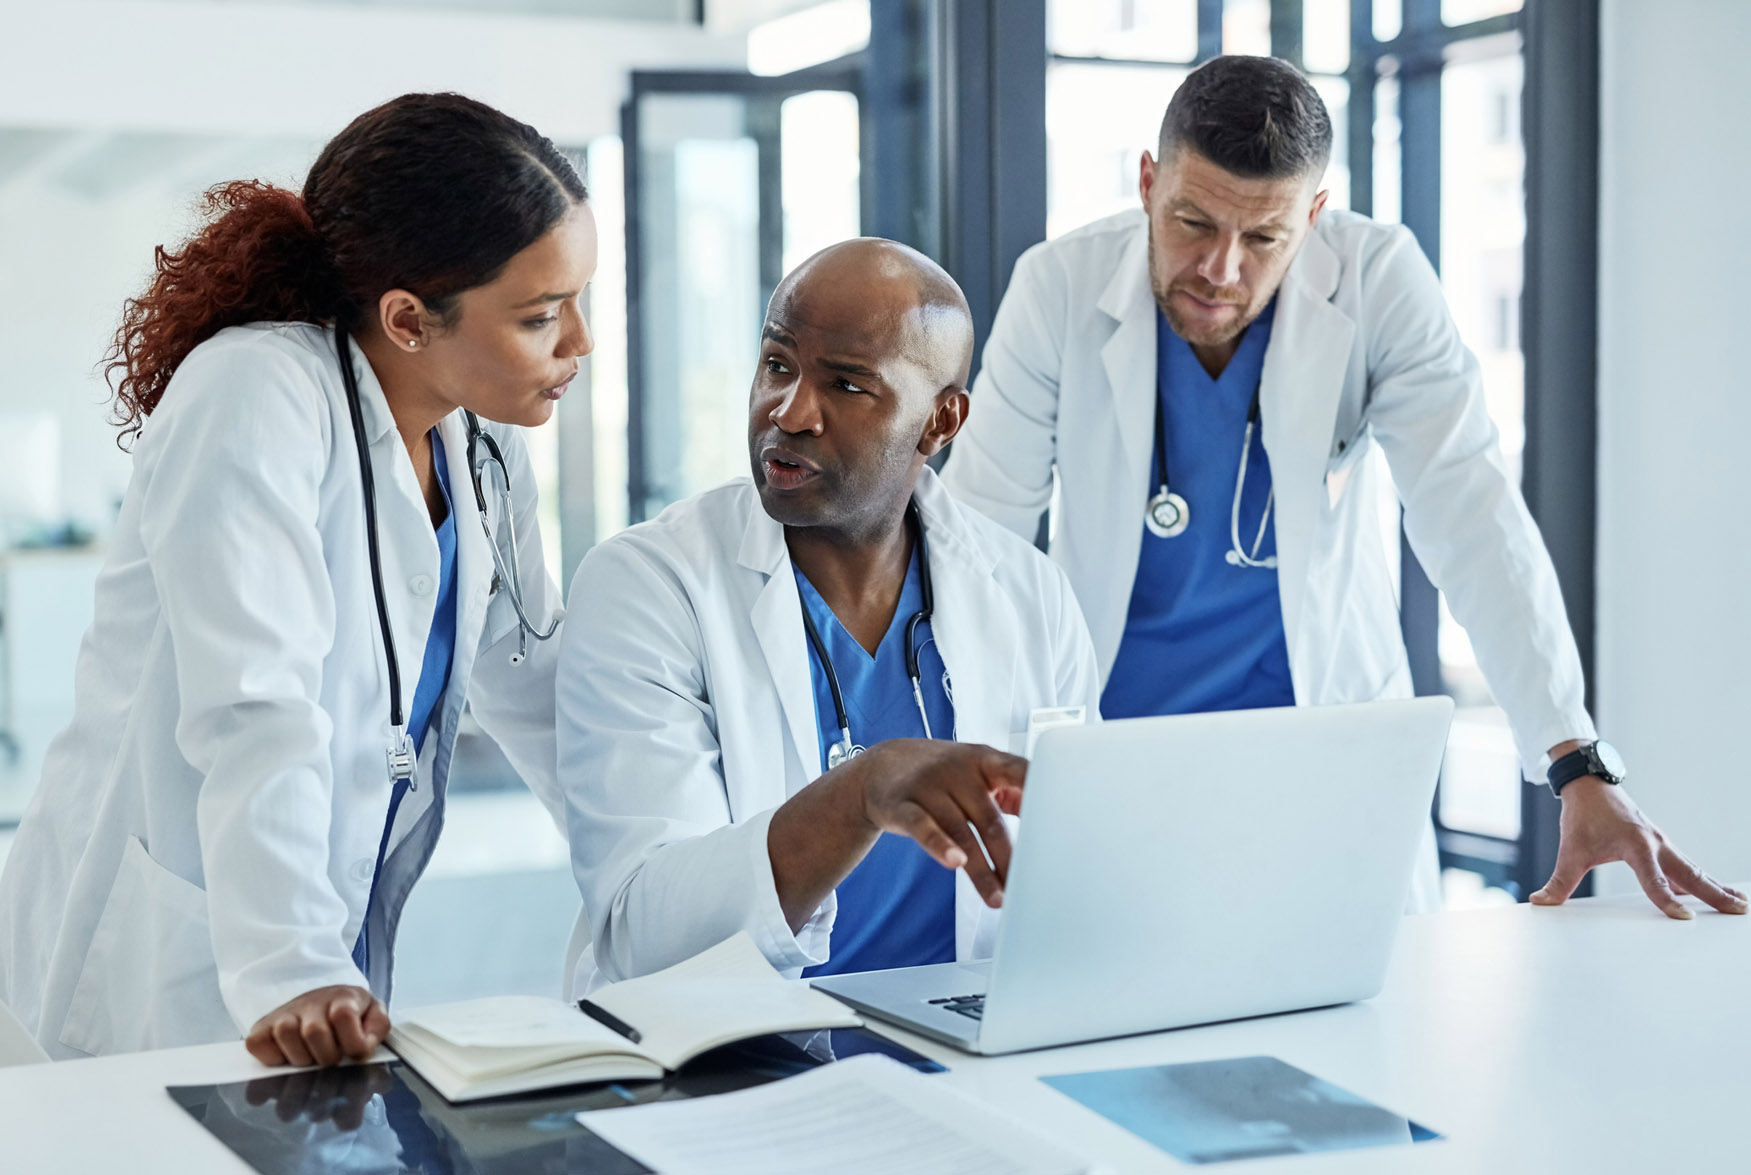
1244	1108
383	1120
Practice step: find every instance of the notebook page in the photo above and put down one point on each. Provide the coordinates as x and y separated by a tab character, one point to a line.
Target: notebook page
869	1115
511	1022
719	995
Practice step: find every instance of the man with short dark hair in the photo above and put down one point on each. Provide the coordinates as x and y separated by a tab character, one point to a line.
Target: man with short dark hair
1207	378
725	665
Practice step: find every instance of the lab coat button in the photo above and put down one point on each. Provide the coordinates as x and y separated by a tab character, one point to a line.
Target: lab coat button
362	870
420	585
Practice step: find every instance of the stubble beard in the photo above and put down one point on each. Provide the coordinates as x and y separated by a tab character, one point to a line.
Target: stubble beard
1182	328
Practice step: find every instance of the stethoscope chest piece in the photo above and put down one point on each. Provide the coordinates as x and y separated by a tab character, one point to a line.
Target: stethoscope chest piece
1167	515
838	753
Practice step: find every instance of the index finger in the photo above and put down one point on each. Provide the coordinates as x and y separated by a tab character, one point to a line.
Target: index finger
1654	883
979	809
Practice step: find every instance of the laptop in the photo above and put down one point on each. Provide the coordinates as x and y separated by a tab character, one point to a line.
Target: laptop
1186	870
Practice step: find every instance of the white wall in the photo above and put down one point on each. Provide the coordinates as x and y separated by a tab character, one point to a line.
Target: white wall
114	115
1673	673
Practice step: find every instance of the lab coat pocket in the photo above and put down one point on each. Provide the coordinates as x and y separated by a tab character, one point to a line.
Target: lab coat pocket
149	978
501	618
1346	455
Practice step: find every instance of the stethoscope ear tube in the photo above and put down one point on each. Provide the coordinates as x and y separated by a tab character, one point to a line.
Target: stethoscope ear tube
508	573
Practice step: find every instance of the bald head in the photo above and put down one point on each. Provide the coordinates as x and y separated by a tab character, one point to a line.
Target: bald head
894	295
863	372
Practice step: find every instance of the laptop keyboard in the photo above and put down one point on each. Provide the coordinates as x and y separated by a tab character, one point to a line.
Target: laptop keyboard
971	1006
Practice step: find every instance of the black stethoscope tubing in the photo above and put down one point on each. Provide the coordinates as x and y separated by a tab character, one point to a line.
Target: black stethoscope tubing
841	716
1252	419
401	751
369	483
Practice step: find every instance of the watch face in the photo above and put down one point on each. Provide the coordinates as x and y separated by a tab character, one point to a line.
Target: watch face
1610	759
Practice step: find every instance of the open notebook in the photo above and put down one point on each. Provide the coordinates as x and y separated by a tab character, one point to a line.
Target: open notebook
513	1044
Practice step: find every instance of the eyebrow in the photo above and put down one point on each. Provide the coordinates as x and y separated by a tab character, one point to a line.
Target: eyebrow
844	366
848	368
542	299
1184	205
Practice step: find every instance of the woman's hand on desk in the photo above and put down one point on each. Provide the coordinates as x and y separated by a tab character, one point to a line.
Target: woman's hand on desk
1601	824
321	1027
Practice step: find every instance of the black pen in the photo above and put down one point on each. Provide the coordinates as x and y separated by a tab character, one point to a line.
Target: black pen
609	1020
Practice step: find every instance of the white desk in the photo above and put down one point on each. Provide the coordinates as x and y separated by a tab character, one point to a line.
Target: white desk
1596	1038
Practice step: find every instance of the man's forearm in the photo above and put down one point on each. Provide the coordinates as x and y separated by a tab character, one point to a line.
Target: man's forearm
816	838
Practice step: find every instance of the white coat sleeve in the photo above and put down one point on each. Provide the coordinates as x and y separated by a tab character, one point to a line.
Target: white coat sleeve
229	524
1463	512
664	871
514	704
1001	463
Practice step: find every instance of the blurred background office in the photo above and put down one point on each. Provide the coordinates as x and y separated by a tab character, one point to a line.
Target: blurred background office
1571	167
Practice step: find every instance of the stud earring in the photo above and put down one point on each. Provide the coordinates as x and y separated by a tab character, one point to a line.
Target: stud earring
412	343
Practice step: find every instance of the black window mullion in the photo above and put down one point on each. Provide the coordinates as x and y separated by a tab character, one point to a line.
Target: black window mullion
1287	32
1209	29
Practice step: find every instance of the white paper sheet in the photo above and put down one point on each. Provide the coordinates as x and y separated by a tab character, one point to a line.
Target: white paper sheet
869	1115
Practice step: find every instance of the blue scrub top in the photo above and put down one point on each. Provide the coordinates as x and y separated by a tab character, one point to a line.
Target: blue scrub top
897	908
1201	633
434	678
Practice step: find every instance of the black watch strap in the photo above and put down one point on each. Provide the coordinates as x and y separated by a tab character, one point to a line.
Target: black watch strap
1574	765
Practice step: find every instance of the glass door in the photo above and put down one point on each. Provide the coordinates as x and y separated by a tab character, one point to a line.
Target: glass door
731	180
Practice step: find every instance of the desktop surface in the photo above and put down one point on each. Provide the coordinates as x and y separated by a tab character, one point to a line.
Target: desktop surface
1598	1037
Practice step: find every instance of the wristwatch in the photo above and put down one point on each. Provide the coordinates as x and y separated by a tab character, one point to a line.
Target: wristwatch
1599	759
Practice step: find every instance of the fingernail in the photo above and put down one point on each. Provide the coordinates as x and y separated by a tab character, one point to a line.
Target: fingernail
956	858
1684	914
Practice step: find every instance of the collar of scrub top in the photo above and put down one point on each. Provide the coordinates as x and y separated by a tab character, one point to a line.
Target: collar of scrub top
845	748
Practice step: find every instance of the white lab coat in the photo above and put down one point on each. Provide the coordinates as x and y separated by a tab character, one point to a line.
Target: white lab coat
1363	355
687	714
202	843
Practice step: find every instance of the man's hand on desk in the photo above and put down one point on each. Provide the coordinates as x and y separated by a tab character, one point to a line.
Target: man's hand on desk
321	1027
1601	824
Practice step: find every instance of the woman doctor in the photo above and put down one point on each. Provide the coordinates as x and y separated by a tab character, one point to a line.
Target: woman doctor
300	593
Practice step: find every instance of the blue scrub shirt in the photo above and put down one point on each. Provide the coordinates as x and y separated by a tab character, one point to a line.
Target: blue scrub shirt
1203	634
897	908
434	678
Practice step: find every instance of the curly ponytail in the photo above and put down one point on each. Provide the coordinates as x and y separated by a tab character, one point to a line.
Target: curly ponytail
432	193
258	259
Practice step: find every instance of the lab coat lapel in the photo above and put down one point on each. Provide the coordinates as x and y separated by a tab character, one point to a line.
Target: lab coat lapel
1302	384
1129	357
777	616
981	641
974	622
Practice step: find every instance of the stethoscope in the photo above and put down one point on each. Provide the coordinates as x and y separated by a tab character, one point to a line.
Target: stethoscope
845	749
1168	514
483	451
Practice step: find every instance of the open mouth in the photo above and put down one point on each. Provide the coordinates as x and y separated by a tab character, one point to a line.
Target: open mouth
786	471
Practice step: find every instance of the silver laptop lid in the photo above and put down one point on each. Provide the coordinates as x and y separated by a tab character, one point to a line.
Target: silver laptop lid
1184	870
